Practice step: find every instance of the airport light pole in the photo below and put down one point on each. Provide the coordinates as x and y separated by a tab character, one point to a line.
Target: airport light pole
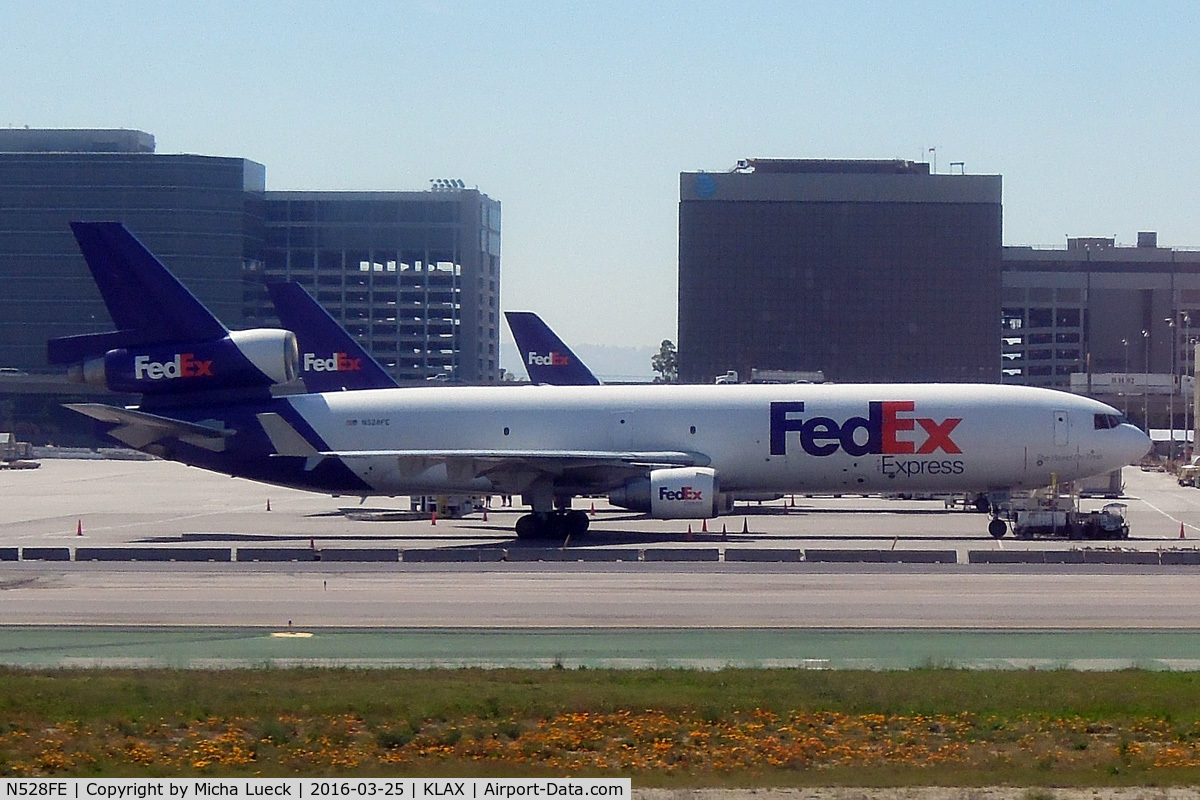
1146	381
1125	386
1171	392
1189	368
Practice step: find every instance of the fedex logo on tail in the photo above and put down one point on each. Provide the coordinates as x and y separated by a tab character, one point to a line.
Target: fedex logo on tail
185	365
338	362
551	359
890	428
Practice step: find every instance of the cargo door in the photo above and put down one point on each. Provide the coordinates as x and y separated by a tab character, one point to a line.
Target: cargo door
1062	428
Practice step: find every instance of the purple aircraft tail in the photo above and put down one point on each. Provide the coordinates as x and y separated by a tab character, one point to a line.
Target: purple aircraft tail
167	345
330	359
147	303
546	358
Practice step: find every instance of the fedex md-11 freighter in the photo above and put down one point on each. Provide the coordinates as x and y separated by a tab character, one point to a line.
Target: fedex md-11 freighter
673	452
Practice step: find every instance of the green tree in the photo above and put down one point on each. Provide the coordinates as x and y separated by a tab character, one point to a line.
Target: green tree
666	363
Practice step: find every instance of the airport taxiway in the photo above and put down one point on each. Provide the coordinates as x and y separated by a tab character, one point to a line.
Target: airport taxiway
167	505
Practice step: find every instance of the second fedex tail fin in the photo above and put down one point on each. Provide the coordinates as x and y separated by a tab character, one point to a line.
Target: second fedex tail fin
330	359
547	359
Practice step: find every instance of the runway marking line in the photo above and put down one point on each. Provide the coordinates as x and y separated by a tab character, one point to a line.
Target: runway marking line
1165	514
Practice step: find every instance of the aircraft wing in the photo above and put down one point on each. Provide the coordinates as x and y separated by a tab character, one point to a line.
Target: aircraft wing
665	458
138	428
591	470
511	467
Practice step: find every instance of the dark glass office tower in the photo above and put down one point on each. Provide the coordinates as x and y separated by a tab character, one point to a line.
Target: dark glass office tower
201	215
865	270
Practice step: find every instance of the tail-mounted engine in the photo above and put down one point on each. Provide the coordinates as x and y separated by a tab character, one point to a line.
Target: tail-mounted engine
675	493
257	358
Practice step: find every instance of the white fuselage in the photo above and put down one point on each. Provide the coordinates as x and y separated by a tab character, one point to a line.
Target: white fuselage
762	438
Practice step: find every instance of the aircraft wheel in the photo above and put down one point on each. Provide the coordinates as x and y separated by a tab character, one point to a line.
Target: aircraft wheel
997	528
529	527
575	523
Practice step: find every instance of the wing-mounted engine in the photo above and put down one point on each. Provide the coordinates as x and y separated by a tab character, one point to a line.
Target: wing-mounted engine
257	358
675	493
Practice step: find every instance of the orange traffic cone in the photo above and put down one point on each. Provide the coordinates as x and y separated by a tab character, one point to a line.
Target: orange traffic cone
690	537
745	527
268	504
1181	536
485	513
724	533
79	528
704	526
593	511
433	518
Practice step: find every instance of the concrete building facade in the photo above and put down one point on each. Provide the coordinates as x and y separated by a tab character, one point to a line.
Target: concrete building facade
1099	308
414	276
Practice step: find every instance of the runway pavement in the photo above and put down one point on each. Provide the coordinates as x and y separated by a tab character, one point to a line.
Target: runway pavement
166	505
620	595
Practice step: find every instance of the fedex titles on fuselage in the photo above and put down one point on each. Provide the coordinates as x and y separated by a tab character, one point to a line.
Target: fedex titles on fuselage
338	362
890	430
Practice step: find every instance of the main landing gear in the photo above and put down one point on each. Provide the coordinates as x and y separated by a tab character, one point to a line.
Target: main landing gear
997	528
552	525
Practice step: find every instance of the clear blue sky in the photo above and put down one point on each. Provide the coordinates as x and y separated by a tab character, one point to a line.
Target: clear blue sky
579	117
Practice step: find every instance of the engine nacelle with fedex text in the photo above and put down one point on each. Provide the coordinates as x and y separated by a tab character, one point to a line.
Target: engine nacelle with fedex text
677	493
677	451
261	357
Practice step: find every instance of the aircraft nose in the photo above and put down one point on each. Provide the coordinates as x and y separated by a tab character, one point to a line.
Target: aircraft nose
1135	443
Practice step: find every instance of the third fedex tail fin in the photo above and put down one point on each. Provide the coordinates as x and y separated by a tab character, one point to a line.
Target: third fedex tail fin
330	359
546	358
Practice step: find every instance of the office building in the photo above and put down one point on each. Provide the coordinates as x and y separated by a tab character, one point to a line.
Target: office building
200	214
1100	308
864	270
415	276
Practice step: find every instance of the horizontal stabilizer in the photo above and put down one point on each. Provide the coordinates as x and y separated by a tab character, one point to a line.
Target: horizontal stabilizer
77	349
138	428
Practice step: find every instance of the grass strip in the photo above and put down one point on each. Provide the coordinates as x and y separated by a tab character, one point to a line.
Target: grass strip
677	728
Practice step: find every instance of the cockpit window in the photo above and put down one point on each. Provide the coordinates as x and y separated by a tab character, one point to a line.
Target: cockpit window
1106	421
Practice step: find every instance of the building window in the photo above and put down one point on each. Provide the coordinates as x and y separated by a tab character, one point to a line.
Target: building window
1067	318
1041	318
